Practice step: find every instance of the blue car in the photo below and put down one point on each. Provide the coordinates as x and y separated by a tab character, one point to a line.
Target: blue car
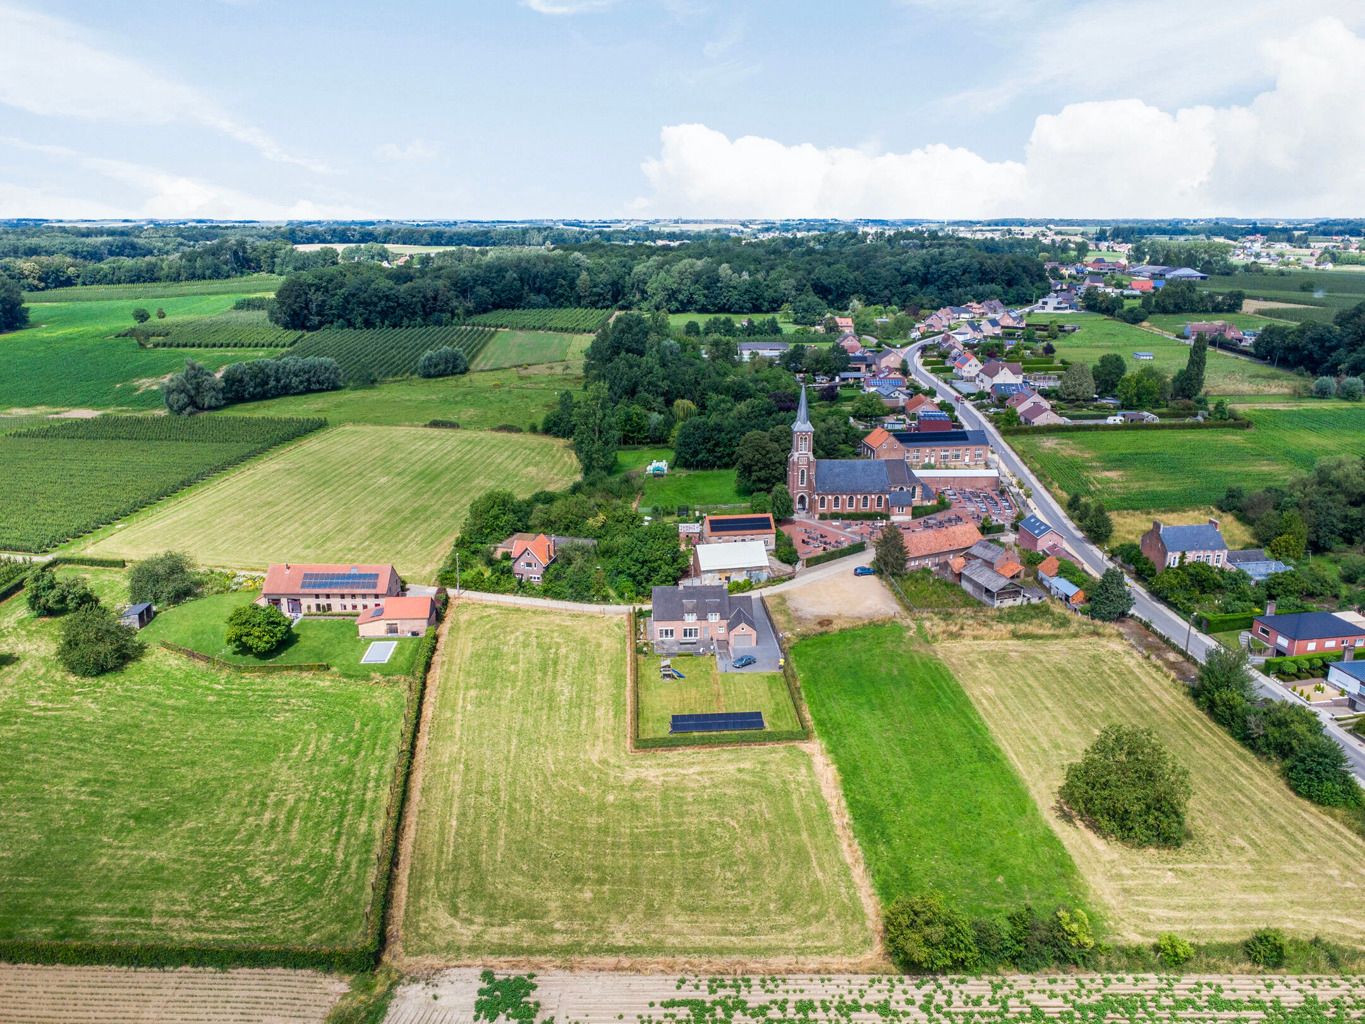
744	661
864	570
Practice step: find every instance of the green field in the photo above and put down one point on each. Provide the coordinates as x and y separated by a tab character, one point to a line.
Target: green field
572	321
237	328
530	348
252	284
1226	374
201	626
1323	293
538	834
1174	323
935	804
1170	469
705	689
170	803
678	321
352	494
69	357
696	488
68	477
389	351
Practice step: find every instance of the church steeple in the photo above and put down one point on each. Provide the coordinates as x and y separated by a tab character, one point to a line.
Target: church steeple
802	415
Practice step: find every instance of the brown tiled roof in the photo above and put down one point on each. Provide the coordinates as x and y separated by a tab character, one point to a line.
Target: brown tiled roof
932	541
1009	568
877	438
399	608
1049	566
540	545
287	577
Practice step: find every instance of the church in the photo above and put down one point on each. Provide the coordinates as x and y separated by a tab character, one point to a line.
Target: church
846	485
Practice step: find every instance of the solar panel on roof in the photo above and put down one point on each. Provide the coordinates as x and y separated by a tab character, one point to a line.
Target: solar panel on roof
741	524
724	721
339	580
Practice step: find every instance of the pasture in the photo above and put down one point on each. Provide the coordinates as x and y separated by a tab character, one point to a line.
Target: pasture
678	321
537	834
530	348
1258	854
173	803
353	494
69	355
381	352
1174	323
68	477
571	321
935	805
703	690
251	284
1137	470
1308	294
709	488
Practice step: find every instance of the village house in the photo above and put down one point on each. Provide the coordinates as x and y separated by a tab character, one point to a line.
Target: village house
702	620
997	372
531	557
1040	414
850	344
398	616
744	526
891	359
1348	676
843	324
1309	632
728	562
965	366
313	588
1033	534
933	541
1213	331
1170	545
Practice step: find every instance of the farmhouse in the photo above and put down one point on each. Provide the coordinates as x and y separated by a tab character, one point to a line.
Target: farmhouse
703	620
746	526
726	562
1170	545
398	616
1309	632
321	588
935	540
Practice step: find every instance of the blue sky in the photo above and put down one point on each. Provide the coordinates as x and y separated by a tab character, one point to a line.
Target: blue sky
617	108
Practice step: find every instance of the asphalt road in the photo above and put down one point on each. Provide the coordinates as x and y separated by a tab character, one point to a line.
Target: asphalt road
1162	619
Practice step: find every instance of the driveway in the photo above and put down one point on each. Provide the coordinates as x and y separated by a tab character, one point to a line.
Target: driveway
766	650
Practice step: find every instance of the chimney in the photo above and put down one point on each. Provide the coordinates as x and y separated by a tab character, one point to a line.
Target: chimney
1349	653
1270	607
1213	522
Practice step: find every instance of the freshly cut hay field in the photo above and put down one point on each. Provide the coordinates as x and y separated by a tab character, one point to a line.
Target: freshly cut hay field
537	834
1259	855
529	348
173	803
935	804
352	494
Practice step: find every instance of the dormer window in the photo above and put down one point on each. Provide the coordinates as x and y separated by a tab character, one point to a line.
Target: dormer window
689	616
713	616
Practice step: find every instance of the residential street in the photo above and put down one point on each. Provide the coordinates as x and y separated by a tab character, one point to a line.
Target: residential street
1162	619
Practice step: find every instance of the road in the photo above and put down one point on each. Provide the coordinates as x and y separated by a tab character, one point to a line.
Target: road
1161	618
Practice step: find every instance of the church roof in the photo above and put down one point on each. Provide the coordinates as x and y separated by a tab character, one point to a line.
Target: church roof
851	476
802	414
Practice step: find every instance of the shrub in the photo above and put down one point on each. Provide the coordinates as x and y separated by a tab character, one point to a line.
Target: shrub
923	933
442	362
1351	389
1324	387
1173	951
1127	786
1318	772
48	595
164	580
1267	948
93	642
257	629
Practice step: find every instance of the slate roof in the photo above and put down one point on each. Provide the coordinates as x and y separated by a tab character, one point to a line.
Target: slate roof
1354	669
1247	555
986	551
984	576
898	474
670	604
1035	527
1311	625
1201	537
941	438
851	476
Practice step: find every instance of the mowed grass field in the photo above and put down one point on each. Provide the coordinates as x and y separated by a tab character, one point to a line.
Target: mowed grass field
69	357
531	348
350	494
1258	855
1171	469
935	804
537	834
704	689
173	803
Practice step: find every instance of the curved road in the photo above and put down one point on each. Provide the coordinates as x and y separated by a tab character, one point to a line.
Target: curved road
1162	619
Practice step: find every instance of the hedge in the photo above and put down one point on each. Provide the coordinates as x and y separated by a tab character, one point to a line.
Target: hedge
1294	662
920	511
854	516
829	556
1075	428
209	659
1221	622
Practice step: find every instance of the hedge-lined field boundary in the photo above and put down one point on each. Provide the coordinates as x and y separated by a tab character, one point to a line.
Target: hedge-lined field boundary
1080	428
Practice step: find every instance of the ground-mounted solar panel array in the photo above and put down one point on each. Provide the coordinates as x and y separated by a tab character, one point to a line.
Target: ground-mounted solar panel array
721	721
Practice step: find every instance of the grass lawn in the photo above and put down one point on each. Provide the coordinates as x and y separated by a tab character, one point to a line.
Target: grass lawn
352	494
706	689
678	321
1169	469
935	804
1258	854
476	401
694	487
174	803
538	834
69	357
200	625
531	348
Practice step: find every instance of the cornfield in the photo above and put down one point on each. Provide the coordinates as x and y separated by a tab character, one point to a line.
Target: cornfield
389	351
576	320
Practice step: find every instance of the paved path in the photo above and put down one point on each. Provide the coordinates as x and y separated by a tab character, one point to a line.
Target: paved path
1160	617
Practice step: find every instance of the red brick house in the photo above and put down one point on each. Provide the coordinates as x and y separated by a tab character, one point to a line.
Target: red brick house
1033	532
398	616
1309	632
744	526
320	588
702	620
531	557
1168	545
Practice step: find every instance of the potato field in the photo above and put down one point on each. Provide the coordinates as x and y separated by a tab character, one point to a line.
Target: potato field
237	328
68	478
575	320
389	351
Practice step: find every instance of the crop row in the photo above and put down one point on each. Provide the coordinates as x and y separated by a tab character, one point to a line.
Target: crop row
576	320
72	477
389	351
157	289
235	329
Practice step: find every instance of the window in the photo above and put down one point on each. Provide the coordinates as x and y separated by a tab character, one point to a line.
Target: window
802	477
689	616
713	616
865	501
1329	643
665	632
690	633
1312	645
1263	631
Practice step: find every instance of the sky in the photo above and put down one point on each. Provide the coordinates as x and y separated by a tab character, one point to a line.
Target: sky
514	109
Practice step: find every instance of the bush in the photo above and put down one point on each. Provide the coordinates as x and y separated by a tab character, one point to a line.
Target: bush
925	934
1127	786
442	362
93	642
164	580
1173	951
257	629
1267	948
1318	772
1351	389
48	595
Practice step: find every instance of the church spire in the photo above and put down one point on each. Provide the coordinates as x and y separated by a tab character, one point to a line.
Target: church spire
802	415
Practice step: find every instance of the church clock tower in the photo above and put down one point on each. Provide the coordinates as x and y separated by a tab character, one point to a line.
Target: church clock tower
801	461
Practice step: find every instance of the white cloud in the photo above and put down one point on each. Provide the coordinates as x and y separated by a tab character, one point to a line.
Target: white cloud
53	69
1294	150
568	6
415	151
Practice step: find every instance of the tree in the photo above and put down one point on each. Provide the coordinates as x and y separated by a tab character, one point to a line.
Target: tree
195	389
47	594
257	629
1111	599
13	312
1224	690
1147	388
783	508
93	642
160	313
760	502
760	463
925	934
889	556
492	517
1267	948
1351	389
1108	372
595	435
1189	382
867	406
1078	384
1324	387
1127	786
164	580
141	315
442	362
1319	773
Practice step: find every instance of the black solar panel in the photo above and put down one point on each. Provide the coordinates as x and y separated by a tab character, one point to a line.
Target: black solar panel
340	580
724	721
744	524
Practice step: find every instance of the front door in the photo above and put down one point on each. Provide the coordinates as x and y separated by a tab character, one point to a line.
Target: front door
295	608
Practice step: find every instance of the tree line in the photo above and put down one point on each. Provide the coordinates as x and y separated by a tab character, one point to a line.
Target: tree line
1337	348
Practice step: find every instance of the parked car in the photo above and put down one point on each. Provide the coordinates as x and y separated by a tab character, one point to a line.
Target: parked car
864	570
744	661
